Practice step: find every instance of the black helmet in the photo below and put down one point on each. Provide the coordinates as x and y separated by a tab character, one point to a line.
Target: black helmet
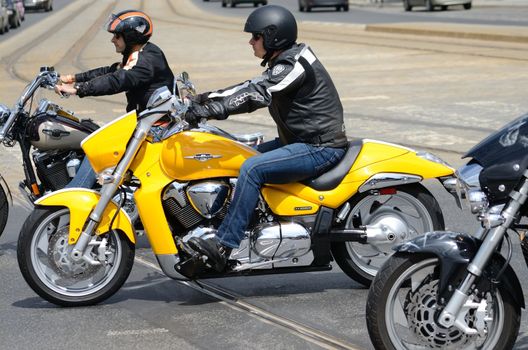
135	26
276	25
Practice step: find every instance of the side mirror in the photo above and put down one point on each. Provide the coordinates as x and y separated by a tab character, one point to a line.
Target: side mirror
187	84
184	77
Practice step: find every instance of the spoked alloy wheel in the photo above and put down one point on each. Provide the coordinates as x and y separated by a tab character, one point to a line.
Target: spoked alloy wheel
404	214
44	258
402	308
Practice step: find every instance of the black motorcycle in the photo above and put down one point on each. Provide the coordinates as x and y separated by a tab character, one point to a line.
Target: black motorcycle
49	138
452	290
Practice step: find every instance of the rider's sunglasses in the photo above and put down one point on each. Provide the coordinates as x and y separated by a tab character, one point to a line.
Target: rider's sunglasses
256	36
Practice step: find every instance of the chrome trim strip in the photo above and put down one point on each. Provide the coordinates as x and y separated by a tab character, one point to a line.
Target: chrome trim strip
382	180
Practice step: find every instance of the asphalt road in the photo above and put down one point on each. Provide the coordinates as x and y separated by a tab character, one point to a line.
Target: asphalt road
438	94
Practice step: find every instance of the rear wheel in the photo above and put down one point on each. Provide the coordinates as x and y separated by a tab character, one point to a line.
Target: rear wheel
345	8
406	5
401	214
402	309
44	258
467	6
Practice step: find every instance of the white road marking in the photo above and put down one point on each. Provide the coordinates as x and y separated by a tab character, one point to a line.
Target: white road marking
136	332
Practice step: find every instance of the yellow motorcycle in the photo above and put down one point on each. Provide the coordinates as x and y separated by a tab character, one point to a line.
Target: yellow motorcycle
77	247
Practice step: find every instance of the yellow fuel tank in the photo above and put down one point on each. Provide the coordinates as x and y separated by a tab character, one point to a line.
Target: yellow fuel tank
194	155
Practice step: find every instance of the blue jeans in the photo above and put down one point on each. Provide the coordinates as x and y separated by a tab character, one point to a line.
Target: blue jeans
85	176
277	164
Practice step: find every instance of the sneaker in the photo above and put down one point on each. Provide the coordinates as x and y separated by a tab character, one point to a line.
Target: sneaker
215	252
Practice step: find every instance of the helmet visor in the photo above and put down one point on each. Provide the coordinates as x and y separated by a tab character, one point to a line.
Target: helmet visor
111	23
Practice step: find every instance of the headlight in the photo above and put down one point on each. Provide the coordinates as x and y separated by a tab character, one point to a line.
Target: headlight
469	175
468	188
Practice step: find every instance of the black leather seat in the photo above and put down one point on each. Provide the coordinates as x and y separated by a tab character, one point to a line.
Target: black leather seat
329	180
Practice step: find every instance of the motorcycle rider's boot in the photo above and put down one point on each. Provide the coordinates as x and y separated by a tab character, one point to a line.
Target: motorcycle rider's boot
215	252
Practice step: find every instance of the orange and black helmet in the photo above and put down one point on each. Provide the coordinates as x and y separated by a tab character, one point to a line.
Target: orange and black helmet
135	26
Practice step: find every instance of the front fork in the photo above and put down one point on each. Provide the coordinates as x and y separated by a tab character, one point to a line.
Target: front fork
498	224
110	186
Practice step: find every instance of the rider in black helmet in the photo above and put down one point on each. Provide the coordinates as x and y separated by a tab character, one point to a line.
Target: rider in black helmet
305	105
142	70
276	25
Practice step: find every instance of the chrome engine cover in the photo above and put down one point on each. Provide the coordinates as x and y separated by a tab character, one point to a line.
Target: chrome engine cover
277	240
208	198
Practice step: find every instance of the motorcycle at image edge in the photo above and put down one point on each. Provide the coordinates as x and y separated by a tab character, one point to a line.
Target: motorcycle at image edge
49	139
453	290
77	247
50	142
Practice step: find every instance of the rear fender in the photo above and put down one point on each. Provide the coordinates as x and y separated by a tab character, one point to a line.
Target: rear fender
455	250
81	202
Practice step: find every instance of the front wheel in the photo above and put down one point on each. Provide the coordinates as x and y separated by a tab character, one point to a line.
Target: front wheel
403	212
44	258
4	208
402	309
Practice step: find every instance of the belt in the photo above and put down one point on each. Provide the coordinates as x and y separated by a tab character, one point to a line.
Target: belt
328	138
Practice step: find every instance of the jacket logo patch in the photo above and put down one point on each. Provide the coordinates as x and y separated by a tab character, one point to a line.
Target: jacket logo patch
242	98
278	69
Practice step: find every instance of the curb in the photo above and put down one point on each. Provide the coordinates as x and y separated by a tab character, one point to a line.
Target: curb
513	34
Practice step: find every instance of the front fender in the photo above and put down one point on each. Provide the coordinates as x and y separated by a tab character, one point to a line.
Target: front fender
81	202
455	250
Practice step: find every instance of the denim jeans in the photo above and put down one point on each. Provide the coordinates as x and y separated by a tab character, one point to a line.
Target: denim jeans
85	176
277	164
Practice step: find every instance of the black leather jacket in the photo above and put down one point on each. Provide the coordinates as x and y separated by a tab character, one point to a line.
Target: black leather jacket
300	95
140	75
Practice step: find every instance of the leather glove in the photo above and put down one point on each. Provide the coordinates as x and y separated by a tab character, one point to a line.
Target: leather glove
199	98
211	110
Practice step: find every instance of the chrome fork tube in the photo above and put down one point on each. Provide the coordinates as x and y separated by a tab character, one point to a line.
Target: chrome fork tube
107	193
493	238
